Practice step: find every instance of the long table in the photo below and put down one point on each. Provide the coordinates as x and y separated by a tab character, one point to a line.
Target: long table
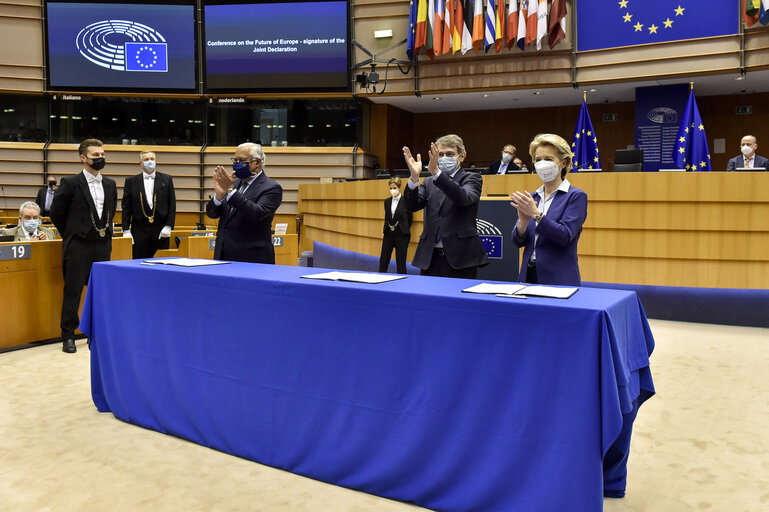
410	389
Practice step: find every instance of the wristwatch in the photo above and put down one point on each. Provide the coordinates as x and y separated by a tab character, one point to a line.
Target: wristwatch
539	216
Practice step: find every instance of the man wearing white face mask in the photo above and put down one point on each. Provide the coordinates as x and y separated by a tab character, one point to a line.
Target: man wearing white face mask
748	159
449	245
149	208
507	164
550	219
29	228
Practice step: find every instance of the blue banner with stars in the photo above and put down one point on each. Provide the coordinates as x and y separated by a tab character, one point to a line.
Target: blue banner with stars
615	23
692	151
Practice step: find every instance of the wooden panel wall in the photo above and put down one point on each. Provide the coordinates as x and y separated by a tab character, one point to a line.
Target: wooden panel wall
22	164
21	37
674	229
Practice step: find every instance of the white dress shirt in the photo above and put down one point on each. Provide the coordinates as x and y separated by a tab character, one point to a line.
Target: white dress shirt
240	188
97	190
48	199
502	168
149	187
544	206
394	205
749	161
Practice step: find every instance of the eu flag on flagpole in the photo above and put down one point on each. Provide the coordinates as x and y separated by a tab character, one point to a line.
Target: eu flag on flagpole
691	150
584	143
410	38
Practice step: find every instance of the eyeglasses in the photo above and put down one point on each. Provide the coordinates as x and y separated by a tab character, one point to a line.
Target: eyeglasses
241	160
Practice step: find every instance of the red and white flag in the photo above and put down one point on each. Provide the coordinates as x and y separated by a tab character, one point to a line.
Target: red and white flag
557	26
512	23
531	22
541	22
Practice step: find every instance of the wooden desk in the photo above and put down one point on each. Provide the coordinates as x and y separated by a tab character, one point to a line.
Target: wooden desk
199	247
31	291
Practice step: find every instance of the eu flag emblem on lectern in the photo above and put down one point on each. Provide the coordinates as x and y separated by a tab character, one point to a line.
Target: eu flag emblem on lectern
146	57
691	150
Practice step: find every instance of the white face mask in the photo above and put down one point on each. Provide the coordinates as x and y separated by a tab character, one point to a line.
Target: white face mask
149	165
448	164
31	224
547	170
395	192
746	150
507	158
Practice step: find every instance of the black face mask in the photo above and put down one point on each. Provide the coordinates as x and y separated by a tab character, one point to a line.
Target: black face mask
98	164
51	184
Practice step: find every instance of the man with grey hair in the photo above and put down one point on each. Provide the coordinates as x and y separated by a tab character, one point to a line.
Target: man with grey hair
245	202
29	228
149	208
449	245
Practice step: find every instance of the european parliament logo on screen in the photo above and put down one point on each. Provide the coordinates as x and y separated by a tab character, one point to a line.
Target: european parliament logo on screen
491	238
123	45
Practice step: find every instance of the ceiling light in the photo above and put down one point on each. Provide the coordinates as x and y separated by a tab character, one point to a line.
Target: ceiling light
436	98
538	93
486	95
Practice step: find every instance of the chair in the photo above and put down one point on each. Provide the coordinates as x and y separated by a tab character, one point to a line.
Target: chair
629	160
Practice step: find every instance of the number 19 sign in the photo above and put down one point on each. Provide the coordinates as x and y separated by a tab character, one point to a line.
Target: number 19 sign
15	252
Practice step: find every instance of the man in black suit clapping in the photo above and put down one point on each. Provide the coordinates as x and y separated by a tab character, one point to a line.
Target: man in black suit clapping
82	210
149	208
245	202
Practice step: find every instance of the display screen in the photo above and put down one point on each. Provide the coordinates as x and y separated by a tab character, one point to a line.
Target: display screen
100	46
272	46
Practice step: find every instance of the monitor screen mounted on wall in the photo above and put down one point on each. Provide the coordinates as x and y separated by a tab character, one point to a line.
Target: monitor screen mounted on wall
300	45
121	47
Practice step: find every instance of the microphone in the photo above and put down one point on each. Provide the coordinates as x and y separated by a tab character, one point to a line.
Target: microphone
5	200
489	184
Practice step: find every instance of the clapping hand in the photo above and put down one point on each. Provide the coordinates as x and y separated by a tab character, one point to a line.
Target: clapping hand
222	182
526	206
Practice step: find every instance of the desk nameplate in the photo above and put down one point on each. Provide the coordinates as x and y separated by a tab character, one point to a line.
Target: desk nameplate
15	252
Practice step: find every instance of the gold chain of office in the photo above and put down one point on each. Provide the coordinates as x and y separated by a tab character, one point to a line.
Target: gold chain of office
150	218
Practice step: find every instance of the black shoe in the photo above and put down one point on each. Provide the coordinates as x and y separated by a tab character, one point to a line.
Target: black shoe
69	346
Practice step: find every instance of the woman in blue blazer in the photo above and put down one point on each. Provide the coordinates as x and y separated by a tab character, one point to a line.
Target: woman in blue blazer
550	219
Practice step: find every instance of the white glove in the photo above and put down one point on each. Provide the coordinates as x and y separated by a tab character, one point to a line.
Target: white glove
165	232
127	234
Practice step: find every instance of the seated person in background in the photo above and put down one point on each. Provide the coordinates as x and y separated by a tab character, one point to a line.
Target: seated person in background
749	159
45	196
506	164
29	225
550	219
397	229
517	161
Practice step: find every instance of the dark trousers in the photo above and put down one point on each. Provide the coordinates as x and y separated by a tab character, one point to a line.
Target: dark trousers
531	272
146	241
77	257
439	267
398	241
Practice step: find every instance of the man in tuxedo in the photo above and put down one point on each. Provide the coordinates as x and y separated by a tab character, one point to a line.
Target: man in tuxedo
748	159
149	208
449	245
396	232
45	196
82	210
29	227
245	202
506	165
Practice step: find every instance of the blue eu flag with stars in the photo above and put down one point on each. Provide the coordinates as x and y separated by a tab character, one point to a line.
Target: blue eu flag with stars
691	151
146	57
584	143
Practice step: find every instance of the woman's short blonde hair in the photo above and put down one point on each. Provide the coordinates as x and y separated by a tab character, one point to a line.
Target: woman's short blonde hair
556	142
451	140
395	180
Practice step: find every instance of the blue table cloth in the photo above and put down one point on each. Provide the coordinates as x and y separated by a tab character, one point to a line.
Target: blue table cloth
410	389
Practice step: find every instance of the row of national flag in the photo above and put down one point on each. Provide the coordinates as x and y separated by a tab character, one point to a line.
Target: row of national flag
755	11
440	27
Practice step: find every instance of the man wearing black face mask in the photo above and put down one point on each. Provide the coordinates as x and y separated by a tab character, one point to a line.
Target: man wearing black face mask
245	202
82	210
45	197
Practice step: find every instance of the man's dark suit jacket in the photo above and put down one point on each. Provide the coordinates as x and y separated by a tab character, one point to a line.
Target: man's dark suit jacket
165	206
451	207
494	167
245	222
40	200
73	205
402	216
739	161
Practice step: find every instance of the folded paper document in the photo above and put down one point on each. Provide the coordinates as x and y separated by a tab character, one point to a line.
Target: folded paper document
518	290
185	262
355	277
